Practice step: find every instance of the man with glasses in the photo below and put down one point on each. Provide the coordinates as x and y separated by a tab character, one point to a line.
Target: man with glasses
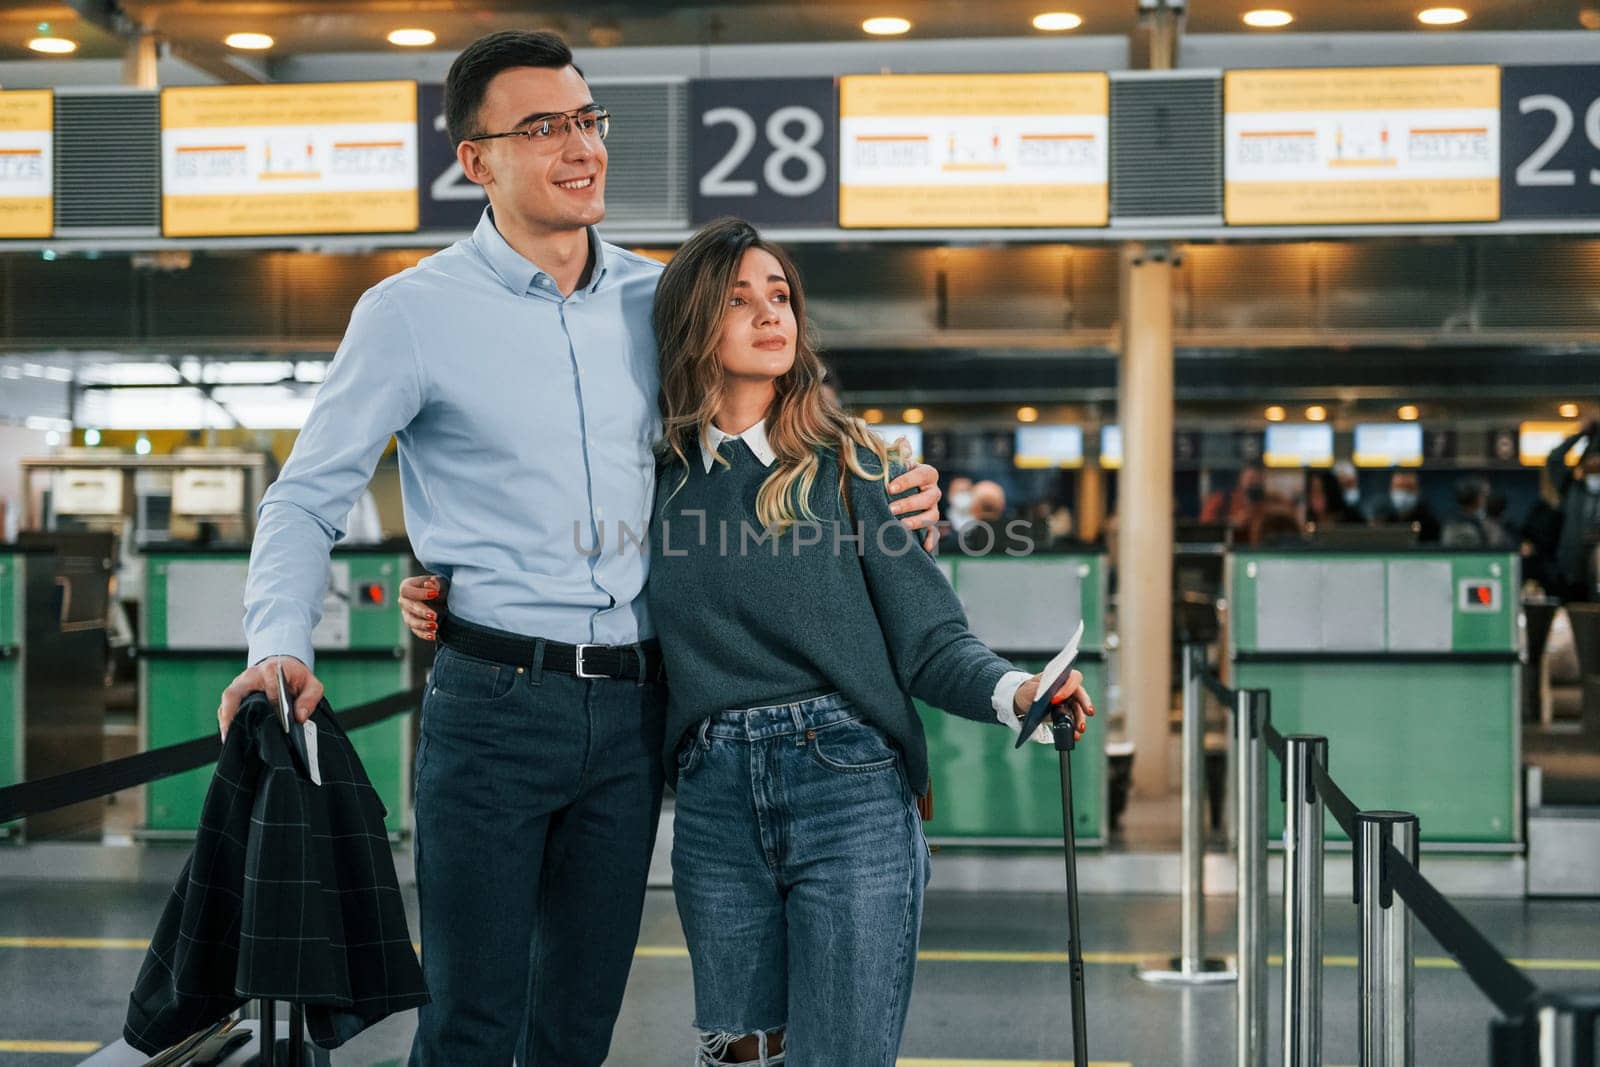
517	371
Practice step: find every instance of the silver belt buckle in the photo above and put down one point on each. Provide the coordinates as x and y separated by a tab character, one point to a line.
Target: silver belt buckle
579	670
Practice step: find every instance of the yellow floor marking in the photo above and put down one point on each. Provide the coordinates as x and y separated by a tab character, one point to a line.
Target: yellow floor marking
76	1048
678	952
137	943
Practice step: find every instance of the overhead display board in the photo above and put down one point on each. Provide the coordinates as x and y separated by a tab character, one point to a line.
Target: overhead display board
764	149
1537	439
27	136
1388	444
1361	145
957	150
1550	123
1307	444
274	159
448	200
1043	447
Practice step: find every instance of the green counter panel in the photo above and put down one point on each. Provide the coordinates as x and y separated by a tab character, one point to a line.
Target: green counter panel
1435	739
985	788
186	690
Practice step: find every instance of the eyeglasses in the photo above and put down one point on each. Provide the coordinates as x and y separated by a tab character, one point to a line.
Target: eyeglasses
548	131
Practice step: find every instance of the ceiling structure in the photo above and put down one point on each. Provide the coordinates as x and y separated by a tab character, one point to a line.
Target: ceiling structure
309	27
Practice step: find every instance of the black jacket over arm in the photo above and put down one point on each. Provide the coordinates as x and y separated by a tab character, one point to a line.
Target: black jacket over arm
290	893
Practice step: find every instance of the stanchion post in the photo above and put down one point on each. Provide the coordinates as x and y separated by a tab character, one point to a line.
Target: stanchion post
1388	1033
1302	901
1252	710
1191	966
1564	1029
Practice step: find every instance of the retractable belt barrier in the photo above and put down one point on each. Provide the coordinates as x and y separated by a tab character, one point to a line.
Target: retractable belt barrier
113	776
1538	1028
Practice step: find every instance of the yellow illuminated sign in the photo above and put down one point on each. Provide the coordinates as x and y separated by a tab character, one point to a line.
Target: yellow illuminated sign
1536	440
276	159
27	171
955	150
1396	144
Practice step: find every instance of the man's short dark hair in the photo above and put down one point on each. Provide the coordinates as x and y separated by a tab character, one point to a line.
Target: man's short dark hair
468	81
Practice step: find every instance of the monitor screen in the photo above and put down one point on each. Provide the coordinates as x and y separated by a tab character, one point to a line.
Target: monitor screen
1308	444
1388	444
1041	447
1536	440
1111	447
893	431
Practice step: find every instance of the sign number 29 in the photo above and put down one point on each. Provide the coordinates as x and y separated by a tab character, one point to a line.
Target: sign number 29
784	148
1531	171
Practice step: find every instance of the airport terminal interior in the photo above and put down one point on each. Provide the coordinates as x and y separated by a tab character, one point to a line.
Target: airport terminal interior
1255	343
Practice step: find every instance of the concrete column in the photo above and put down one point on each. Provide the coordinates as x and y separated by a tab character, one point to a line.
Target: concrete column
1144	508
1091	503
139	62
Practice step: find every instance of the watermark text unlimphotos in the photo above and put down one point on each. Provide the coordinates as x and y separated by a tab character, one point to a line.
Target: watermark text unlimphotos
744	538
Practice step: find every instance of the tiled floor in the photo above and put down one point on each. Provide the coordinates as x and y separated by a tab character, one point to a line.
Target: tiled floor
978	998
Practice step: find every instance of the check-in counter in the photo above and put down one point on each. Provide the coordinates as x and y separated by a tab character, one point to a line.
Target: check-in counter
984	791
192	619
1408	662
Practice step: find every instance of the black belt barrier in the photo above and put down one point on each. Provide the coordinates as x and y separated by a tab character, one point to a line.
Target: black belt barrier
1499	979
87	783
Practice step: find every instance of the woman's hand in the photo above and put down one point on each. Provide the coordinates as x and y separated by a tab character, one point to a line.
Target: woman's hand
1073	692
921	511
422	602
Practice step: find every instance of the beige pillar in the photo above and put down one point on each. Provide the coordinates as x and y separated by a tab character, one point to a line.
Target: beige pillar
1144	509
1091	510
139	62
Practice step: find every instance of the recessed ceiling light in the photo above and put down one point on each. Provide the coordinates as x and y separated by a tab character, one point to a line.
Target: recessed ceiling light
412	38
911	415
248	42
1267	18
1056	21
1408	412
1589	18
1441	16
1276	414
53	46
886	26
1316	413
1027	414
1568	410
873	414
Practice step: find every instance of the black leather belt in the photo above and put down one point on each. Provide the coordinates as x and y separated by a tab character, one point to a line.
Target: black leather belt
633	662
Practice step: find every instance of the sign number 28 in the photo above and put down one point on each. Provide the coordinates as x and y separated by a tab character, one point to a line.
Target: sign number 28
814	169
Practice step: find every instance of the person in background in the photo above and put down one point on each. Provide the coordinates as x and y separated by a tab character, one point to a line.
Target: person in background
1242	507
1579	493
1326	503
1348	510
959	499
1405	507
1470	526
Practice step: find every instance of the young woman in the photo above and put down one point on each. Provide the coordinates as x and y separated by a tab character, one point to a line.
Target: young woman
797	619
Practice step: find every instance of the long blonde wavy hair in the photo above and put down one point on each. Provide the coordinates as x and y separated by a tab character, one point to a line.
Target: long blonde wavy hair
691	304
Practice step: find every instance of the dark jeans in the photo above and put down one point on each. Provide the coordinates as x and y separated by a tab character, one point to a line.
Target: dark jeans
537	799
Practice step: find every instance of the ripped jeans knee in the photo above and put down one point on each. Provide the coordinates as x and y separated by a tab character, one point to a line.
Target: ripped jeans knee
717	1048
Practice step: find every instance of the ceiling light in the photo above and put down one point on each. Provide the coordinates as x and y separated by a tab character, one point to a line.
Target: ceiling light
1408	412
1267	18
1276	414
873	414
53	46
1056	21
1589	18
1568	411
886	26
248	42
91	437
1316	413
1441	16
142	445
1027	414
911	415
412	38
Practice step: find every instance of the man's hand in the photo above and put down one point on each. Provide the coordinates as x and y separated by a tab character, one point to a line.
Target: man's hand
1082	706
304	689
422	603
919	512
